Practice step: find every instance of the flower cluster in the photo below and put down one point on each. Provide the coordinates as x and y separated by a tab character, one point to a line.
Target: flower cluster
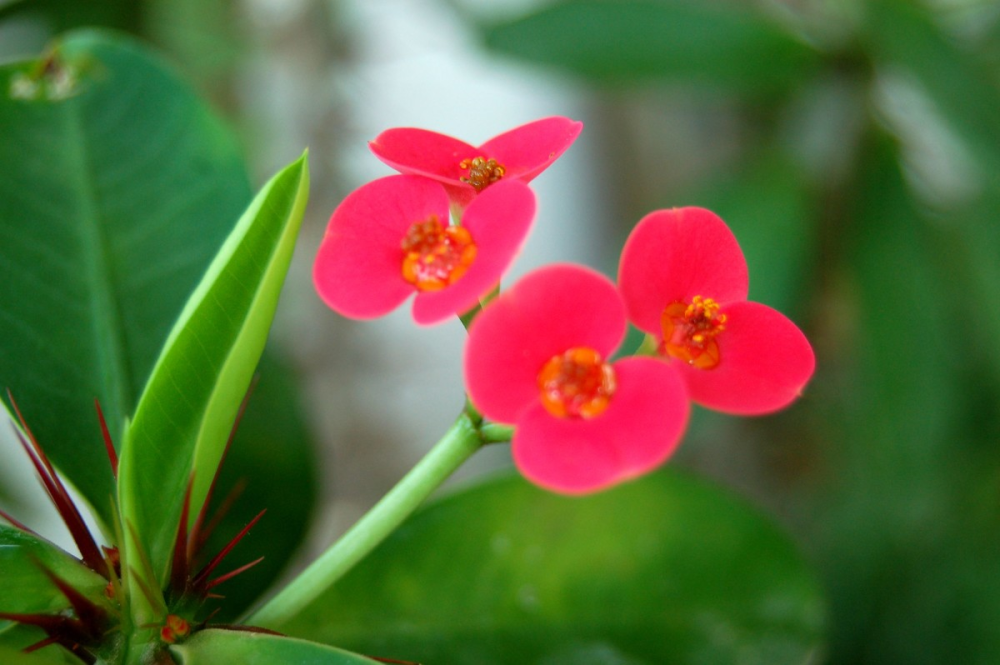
540	355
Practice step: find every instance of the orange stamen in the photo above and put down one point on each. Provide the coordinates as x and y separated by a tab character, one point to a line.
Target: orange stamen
690	329
483	172
577	384
436	256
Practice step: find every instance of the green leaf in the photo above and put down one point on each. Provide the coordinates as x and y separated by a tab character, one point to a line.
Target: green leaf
903	34
189	407
891	412
48	656
209	647
62	15
663	570
639	40
117	186
26	588
18	637
971	256
272	453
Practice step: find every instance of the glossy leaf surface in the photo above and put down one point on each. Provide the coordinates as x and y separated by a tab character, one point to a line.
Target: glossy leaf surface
188	409
210	647
272	453
25	587
117	186
632	40
664	570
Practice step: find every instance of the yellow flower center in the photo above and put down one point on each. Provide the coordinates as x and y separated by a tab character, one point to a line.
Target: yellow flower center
577	384
690	329
434	255
483	172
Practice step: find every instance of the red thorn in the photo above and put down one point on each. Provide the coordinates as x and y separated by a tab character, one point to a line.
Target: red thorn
43	621
179	567
55	625
41	644
196	539
91	615
392	661
109	445
113	558
61	630
230	575
200	578
204	622
27	430
17	525
64	504
227	503
60	497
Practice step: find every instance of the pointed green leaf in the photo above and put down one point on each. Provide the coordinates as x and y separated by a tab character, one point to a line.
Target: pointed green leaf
24	587
640	40
663	570
190	404
271	453
117	186
209	647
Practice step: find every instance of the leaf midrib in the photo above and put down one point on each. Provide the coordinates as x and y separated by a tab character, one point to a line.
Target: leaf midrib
106	321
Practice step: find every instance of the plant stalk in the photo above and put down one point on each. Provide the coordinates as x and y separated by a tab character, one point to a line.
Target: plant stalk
456	446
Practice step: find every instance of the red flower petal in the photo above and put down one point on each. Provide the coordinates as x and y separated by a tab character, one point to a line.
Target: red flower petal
765	362
499	221
358	267
529	149
422	152
524	152
546	313
640	429
674	255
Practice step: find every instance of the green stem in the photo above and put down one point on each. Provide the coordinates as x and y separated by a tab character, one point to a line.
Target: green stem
456	446
467	318
493	433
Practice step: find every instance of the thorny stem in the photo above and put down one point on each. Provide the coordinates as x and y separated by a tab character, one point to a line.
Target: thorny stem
456	446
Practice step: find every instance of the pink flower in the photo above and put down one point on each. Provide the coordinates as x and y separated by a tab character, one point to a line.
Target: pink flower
537	357
684	281
464	170
391	238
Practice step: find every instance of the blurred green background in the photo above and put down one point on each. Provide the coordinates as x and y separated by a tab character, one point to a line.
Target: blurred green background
853	146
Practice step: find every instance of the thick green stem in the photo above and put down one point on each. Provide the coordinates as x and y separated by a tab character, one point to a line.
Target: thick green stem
455	447
493	433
